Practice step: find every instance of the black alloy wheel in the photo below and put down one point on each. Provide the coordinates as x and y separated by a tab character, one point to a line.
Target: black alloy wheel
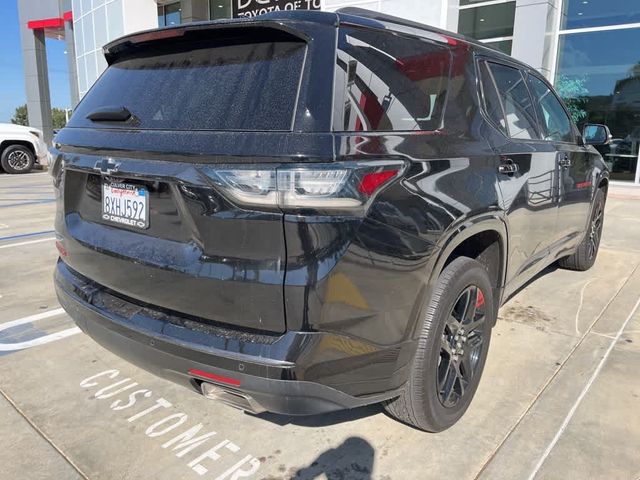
461	346
452	348
595	230
587	250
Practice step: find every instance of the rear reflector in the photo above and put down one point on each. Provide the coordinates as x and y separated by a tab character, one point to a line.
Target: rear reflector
61	250
217	378
371	181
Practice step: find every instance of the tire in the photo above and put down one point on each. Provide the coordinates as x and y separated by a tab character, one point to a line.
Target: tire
587	251
17	159
424	402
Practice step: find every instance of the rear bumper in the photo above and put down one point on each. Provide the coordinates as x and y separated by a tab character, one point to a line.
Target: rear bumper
43	157
264	369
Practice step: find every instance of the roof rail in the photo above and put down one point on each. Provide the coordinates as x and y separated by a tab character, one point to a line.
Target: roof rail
390	21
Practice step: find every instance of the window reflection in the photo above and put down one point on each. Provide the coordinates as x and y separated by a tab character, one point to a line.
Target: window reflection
553	119
598	76
503	46
212	87
518	110
492	103
392	83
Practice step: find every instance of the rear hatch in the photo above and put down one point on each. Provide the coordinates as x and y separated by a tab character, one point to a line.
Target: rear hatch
142	210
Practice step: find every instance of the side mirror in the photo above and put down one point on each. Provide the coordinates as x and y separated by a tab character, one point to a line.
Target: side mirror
596	134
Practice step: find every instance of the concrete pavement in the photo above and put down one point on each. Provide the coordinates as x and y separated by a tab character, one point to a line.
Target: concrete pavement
558	399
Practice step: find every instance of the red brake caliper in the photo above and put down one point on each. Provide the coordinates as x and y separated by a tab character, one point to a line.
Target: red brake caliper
480	299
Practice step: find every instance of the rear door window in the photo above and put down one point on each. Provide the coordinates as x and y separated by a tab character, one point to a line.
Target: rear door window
247	86
388	82
555	123
518	109
492	103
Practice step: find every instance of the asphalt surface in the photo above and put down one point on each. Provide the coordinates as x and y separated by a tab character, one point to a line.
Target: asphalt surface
559	398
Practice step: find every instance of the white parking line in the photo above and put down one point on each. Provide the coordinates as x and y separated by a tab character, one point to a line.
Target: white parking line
583	393
23	177
28	242
9	347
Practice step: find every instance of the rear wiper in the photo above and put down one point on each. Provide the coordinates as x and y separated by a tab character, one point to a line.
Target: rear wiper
110	114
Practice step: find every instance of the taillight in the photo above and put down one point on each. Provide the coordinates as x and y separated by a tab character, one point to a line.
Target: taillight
248	186
325	186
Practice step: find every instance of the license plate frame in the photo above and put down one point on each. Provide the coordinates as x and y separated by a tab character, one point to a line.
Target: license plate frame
125	203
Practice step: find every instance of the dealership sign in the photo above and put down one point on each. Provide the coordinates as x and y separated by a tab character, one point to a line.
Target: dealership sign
251	8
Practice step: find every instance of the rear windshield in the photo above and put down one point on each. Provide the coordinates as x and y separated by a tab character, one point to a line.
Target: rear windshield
251	86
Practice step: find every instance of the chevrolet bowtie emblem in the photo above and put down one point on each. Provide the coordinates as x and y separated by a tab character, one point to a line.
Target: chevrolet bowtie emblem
107	166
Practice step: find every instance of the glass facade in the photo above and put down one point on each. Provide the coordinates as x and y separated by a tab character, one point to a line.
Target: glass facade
599	13
219	9
489	22
464	3
598	76
169	14
95	23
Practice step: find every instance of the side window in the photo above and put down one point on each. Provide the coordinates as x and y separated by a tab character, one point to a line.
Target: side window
556	125
492	104
518	109
388	82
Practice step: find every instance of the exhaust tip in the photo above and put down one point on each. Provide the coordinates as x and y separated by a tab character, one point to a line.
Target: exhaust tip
234	399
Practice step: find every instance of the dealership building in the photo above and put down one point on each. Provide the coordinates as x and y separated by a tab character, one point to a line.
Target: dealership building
587	48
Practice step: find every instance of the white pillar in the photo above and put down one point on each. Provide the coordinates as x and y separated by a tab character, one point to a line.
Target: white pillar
535	34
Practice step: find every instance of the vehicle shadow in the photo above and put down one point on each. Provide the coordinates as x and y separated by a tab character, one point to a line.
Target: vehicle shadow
546	271
352	459
322	420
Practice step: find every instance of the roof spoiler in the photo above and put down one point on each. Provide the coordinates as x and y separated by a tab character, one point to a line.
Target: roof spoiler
115	49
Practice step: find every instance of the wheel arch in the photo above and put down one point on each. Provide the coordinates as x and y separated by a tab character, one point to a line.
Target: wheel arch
483	238
25	143
604	183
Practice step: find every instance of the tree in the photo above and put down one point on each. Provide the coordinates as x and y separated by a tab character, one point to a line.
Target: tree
59	118
574	93
20	116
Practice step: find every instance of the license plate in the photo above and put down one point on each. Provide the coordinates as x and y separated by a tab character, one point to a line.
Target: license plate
126	204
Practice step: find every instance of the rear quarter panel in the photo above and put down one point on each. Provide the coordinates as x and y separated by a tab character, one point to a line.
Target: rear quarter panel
367	278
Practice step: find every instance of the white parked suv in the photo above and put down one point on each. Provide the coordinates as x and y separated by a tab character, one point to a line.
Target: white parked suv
21	148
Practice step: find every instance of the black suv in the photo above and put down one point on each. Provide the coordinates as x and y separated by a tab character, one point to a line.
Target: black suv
311	211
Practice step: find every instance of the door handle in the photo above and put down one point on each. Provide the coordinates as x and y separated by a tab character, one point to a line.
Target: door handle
508	167
564	161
